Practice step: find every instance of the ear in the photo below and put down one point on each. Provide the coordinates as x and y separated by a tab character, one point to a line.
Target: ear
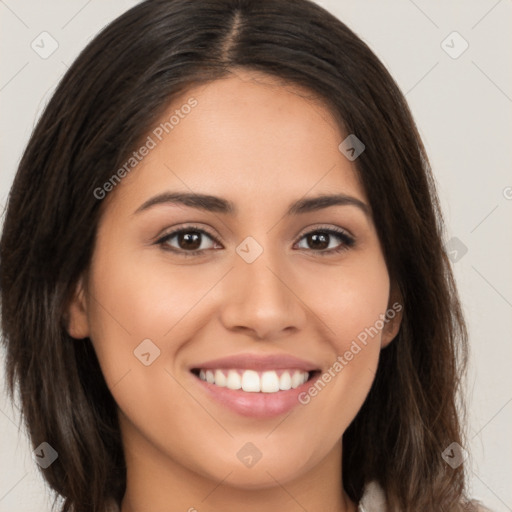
76	318
394	315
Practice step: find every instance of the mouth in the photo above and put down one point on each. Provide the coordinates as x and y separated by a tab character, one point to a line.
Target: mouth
257	386
253	381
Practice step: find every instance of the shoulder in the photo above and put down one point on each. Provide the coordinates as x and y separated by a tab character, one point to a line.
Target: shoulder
374	500
476	506
112	506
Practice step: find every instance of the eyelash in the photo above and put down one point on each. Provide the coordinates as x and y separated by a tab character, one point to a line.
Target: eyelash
347	240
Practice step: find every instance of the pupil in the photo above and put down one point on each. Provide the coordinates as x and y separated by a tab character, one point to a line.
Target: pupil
191	240
319	237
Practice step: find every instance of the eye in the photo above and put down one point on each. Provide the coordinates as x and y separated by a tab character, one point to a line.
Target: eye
188	241
319	240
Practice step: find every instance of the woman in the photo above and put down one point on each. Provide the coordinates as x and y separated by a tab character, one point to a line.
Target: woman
223	276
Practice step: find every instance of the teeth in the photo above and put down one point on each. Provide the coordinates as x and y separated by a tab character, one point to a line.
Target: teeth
296	380
234	380
269	382
285	381
220	379
251	381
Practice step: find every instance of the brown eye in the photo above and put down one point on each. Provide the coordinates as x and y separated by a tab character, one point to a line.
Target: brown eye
323	241
187	241
318	240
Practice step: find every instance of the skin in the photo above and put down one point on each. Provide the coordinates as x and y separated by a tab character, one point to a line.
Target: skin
261	145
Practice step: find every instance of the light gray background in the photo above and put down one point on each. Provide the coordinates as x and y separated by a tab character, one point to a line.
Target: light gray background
463	108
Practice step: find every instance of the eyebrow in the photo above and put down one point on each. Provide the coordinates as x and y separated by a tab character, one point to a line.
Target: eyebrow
220	205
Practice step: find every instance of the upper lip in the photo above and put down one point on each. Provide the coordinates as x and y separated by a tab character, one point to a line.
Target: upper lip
259	362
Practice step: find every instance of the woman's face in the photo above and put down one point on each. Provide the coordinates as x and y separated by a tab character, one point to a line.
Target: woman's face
269	285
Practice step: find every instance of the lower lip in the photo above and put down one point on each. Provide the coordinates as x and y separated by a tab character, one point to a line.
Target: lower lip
256	405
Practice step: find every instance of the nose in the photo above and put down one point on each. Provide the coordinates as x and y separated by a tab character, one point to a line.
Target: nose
260	298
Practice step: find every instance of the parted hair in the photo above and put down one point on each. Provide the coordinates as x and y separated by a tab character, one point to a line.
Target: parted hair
108	100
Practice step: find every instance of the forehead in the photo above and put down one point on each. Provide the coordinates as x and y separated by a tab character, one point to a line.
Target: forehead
249	138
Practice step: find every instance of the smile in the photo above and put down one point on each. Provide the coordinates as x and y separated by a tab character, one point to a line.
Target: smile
252	381
255	385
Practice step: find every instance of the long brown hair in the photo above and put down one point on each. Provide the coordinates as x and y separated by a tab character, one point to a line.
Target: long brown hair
106	103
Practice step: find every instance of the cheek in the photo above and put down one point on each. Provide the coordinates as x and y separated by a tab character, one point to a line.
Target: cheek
144	298
132	301
349	299
135	299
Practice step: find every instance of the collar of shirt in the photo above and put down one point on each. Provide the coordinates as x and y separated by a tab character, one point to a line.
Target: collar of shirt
373	500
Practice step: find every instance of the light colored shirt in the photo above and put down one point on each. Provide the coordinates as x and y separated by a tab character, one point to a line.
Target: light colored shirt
373	500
